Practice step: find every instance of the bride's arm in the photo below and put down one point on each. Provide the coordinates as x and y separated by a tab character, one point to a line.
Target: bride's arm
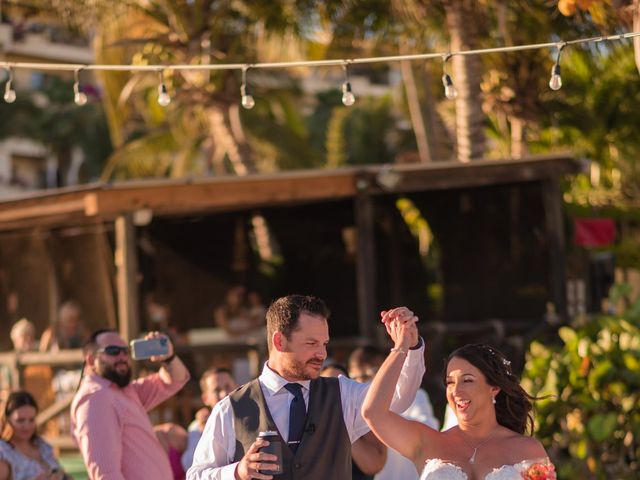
402	435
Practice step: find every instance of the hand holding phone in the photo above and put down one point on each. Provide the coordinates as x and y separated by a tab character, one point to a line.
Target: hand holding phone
151	346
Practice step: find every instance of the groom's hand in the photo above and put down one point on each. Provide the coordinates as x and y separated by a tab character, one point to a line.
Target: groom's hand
401	317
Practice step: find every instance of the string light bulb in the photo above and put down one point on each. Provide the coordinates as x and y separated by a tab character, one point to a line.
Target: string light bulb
555	82
247	101
450	90
163	95
348	98
79	97
9	92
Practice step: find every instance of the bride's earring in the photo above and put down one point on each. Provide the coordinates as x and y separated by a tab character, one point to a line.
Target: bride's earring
493	399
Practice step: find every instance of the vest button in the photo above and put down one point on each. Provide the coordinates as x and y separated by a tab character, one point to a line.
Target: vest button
298	465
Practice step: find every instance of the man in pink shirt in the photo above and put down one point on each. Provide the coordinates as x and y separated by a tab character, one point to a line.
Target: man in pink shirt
109	412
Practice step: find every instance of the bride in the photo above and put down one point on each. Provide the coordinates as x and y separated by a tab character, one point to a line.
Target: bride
492	409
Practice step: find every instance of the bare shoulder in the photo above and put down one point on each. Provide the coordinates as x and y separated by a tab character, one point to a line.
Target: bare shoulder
527	447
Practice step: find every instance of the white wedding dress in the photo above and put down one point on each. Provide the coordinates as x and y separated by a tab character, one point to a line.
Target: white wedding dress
437	469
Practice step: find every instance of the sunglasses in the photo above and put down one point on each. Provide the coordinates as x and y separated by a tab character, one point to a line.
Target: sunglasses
114	350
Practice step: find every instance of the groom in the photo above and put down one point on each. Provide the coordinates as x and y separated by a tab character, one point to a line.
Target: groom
317	418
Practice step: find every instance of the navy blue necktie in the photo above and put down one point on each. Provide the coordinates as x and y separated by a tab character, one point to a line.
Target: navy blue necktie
297	415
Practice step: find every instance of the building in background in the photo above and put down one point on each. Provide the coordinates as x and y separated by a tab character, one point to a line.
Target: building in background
27	160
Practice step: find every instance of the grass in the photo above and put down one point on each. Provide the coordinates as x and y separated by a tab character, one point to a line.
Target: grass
73	466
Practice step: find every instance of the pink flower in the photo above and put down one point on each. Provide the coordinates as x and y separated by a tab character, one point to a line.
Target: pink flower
540	471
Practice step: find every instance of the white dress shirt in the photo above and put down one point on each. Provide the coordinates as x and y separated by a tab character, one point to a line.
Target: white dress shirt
398	466
213	459
193	437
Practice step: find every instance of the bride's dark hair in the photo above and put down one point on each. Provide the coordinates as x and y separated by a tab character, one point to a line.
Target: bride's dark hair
513	404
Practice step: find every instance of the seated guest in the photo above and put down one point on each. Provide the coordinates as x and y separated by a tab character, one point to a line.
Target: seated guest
215	384
241	313
68	331
23	454
23	336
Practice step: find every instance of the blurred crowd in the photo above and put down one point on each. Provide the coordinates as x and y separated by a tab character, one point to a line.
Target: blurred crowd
25	454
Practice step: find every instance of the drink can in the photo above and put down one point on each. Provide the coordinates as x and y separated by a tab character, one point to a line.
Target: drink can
274	448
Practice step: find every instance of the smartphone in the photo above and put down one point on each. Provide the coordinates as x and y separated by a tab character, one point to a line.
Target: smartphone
142	349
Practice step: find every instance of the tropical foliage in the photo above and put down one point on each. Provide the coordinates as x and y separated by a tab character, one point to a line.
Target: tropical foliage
591	423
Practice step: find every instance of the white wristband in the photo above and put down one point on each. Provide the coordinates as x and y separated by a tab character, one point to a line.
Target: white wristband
400	350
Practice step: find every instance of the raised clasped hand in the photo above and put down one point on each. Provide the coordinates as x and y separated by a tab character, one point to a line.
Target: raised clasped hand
255	460
400	324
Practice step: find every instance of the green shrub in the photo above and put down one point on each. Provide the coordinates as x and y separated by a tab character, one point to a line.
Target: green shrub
591	423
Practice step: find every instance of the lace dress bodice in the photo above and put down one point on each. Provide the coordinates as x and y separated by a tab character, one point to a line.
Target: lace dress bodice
437	469
23	467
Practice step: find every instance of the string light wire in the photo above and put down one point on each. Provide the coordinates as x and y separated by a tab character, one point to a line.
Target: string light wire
348	98
308	63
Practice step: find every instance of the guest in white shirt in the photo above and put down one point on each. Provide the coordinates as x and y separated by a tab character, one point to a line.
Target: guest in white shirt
298	335
398	466
215	384
364	363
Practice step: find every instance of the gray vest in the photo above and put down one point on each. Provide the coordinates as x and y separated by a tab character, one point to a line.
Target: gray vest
325	449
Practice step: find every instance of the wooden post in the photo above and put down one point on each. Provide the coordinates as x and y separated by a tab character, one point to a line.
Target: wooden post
365	265
105	272
396	280
54	287
552	200
126	261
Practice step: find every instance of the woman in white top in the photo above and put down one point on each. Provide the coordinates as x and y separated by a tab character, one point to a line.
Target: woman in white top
23	454
493	413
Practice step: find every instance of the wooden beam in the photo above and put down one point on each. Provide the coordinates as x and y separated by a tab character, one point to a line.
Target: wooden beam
365	265
54	410
86	204
127	271
227	194
43	210
59	358
412	177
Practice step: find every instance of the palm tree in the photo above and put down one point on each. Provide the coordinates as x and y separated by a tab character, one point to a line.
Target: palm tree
465	22
203	126
206	104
